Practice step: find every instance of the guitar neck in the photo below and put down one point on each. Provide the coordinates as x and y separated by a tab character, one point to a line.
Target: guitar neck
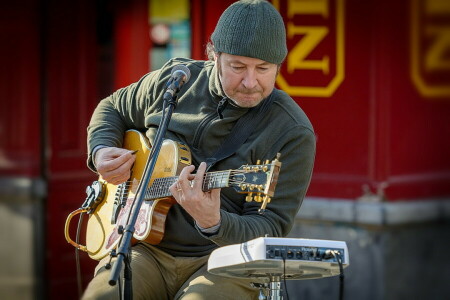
212	180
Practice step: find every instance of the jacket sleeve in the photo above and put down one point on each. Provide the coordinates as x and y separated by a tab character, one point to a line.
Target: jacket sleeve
123	110
297	156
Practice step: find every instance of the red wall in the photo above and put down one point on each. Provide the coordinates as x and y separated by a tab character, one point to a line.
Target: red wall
20	81
132	41
375	128
71	96
204	16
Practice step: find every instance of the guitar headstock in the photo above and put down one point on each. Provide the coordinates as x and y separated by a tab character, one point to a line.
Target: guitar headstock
257	181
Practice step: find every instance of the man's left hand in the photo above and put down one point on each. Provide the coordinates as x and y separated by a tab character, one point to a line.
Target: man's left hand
204	207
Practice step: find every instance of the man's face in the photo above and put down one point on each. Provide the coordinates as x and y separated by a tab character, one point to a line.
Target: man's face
245	80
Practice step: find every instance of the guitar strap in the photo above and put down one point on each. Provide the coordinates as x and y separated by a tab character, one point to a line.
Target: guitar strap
240	132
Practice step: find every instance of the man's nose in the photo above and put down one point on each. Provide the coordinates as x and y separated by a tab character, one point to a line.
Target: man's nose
249	80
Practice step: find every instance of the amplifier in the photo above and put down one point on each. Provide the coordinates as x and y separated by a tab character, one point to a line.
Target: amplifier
290	258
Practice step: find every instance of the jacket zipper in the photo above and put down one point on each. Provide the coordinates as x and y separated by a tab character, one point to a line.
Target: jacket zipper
201	128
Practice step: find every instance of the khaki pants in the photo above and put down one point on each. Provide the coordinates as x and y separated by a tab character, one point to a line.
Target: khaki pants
158	275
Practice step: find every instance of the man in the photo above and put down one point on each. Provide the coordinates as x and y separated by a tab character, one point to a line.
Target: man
247	49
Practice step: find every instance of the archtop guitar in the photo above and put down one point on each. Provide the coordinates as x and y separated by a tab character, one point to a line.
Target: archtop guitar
108	206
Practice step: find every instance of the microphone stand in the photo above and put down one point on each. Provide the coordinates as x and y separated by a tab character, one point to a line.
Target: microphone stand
124	248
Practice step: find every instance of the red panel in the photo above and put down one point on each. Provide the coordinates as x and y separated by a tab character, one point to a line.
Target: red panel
132	42
213	11
20	85
204	17
72	90
420	130
198	35
342	121
71	67
375	129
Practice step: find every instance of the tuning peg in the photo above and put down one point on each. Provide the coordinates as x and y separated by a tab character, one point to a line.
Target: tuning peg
264	204
249	197
258	162
258	197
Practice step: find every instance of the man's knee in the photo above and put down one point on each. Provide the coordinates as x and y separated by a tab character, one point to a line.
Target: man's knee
210	286
99	288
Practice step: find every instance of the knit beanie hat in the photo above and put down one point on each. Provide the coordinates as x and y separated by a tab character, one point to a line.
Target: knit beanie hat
252	28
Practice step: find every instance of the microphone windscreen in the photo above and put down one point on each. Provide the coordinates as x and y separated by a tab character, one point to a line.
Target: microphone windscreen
184	70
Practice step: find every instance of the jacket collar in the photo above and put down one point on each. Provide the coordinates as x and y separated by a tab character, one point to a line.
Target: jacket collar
215	87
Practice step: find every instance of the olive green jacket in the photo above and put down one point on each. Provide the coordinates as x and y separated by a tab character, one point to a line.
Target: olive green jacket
284	129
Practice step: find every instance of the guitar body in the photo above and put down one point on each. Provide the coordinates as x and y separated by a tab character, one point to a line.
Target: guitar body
102	228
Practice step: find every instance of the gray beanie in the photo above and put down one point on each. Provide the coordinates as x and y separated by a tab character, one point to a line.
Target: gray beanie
252	28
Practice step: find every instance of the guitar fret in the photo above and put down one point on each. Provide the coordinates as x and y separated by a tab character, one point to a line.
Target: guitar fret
216	180
160	188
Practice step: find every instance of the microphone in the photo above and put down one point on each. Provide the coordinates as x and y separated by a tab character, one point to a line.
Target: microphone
179	76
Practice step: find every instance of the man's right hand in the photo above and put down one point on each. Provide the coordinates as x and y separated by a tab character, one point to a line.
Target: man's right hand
114	164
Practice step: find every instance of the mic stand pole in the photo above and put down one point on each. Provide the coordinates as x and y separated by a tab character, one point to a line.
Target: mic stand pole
123	251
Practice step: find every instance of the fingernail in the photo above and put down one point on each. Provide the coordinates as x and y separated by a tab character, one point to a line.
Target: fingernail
134	152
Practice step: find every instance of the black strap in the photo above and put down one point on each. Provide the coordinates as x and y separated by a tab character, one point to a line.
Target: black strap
240	132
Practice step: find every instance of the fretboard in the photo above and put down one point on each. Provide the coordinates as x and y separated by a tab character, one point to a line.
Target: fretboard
212	180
